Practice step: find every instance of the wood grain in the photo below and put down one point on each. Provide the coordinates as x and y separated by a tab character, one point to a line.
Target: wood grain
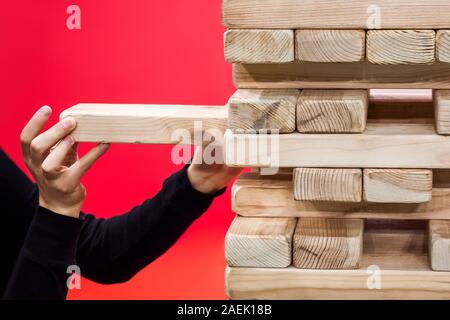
401	46
382	145
259	46
260	242
330	45
332	111
443	46
338	14
134	123
439	245
328	243
271	196
398	185
400	255
362	75
442	111
255	110
315	184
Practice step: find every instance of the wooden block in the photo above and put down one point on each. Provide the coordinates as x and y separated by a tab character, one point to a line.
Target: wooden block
328	243
443	46
251	110
313	184
332	111
338	14
398	185
133	123
260	242
271	196
401	46
394	266
330	45
382	145
357	75
259	46
442	111
439	245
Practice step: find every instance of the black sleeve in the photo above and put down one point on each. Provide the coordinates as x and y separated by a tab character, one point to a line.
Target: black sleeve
109	250
18	201
48	250
113	250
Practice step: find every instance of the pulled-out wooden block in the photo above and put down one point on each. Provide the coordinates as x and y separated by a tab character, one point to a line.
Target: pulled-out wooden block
259	46
328	243
443	46
332	111
442	111
140	123
401	46
260	242
255	110
317	184
330	45
439	247
398	185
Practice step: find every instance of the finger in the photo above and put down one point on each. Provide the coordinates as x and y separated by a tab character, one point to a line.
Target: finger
55	160
82	166
33	127
40	146
72	156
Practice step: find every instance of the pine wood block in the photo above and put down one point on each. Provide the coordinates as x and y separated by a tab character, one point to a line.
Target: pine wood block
255	110
403	273
271	196
442	111
337	14
328	243
134	123
330	45
382	145
401	46
332	111
439	245
260	242
356	75
443	46
259	46
315	184
398	185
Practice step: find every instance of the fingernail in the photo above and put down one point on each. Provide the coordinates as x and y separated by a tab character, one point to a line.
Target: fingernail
68	123
46	110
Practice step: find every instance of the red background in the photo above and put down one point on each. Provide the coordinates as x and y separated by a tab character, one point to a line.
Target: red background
139	51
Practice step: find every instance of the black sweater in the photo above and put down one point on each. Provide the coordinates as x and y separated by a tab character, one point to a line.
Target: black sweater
37	245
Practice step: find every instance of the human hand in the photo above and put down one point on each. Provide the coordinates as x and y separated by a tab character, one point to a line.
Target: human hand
210	178
52	159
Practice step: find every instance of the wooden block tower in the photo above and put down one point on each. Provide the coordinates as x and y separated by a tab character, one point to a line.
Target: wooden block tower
360	205
361	208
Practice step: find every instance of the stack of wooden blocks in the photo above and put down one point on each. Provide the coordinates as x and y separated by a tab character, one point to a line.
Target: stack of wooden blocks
361	205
